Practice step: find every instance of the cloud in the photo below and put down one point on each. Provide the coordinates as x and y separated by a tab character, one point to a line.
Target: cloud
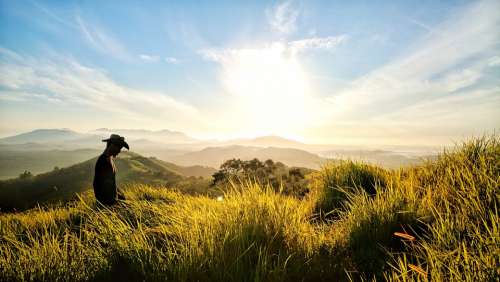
291	48
325	43
156	58
420	24
282	17
54	16
459	79
418	88
149	58
494	61
449	117
442	63
211	54
67	82
172	60
102	41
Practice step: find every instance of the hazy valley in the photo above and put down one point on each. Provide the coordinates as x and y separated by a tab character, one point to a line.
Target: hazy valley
42	150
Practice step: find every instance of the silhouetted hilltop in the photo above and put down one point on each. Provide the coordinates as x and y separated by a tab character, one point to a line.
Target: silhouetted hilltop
61	184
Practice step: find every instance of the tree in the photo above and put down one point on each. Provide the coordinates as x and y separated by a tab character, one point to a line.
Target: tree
289	181
26	174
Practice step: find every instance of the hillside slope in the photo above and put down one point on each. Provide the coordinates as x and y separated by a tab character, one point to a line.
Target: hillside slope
62	184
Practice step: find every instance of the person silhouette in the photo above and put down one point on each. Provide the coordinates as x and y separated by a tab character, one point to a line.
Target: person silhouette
104	183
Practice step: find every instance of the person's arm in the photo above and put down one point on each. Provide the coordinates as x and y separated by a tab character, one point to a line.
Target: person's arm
104	182
119	194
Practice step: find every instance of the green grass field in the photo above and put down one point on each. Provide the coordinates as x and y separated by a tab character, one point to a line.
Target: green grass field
434	222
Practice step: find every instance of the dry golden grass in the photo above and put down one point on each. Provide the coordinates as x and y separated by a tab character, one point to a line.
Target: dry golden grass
438	221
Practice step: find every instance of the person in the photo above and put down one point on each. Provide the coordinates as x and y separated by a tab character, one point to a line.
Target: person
105	189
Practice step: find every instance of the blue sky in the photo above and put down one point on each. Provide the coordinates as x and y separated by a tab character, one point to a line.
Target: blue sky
367	72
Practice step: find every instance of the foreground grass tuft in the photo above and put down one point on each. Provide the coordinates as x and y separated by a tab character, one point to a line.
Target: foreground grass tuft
438	221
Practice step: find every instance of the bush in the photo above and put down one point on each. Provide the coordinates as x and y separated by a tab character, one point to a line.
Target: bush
461	195
335	181
445	213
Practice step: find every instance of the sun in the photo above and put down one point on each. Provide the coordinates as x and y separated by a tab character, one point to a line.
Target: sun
271	88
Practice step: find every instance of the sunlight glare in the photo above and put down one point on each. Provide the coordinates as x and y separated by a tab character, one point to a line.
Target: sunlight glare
271	87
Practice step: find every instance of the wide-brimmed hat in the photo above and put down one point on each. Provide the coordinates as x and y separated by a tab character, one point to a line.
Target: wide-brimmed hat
117	140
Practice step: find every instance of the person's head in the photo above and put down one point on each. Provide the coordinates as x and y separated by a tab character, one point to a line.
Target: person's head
114	144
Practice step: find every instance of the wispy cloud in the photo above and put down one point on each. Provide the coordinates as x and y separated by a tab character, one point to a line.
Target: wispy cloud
420	24
282	17
101	40
494	61
66	81
172	60
149	58
439	64
291	48
325	43
54	16
155	59
442	65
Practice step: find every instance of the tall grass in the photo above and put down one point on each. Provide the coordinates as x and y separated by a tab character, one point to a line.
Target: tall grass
438	221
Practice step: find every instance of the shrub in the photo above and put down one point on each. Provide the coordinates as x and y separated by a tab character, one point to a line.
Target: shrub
331	185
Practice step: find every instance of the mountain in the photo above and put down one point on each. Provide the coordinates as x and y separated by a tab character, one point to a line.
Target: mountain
384	158
62	184
215	156
268	141
178	147
69	139
43	136
51	139
164	136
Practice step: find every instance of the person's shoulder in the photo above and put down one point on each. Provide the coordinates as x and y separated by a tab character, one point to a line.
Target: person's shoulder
101	159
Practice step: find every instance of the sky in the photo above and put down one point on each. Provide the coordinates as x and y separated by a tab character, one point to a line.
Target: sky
336	72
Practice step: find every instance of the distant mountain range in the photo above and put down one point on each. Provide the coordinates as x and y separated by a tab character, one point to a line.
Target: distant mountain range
267	141
67	137
44	136
179	148
164	136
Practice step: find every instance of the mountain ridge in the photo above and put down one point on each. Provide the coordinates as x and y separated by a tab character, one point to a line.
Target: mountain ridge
215	156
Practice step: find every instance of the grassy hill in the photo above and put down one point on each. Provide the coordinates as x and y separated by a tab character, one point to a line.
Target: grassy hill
62	184
437	221
194	170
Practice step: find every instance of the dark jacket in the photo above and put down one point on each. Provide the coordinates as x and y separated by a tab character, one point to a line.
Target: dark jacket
105	189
